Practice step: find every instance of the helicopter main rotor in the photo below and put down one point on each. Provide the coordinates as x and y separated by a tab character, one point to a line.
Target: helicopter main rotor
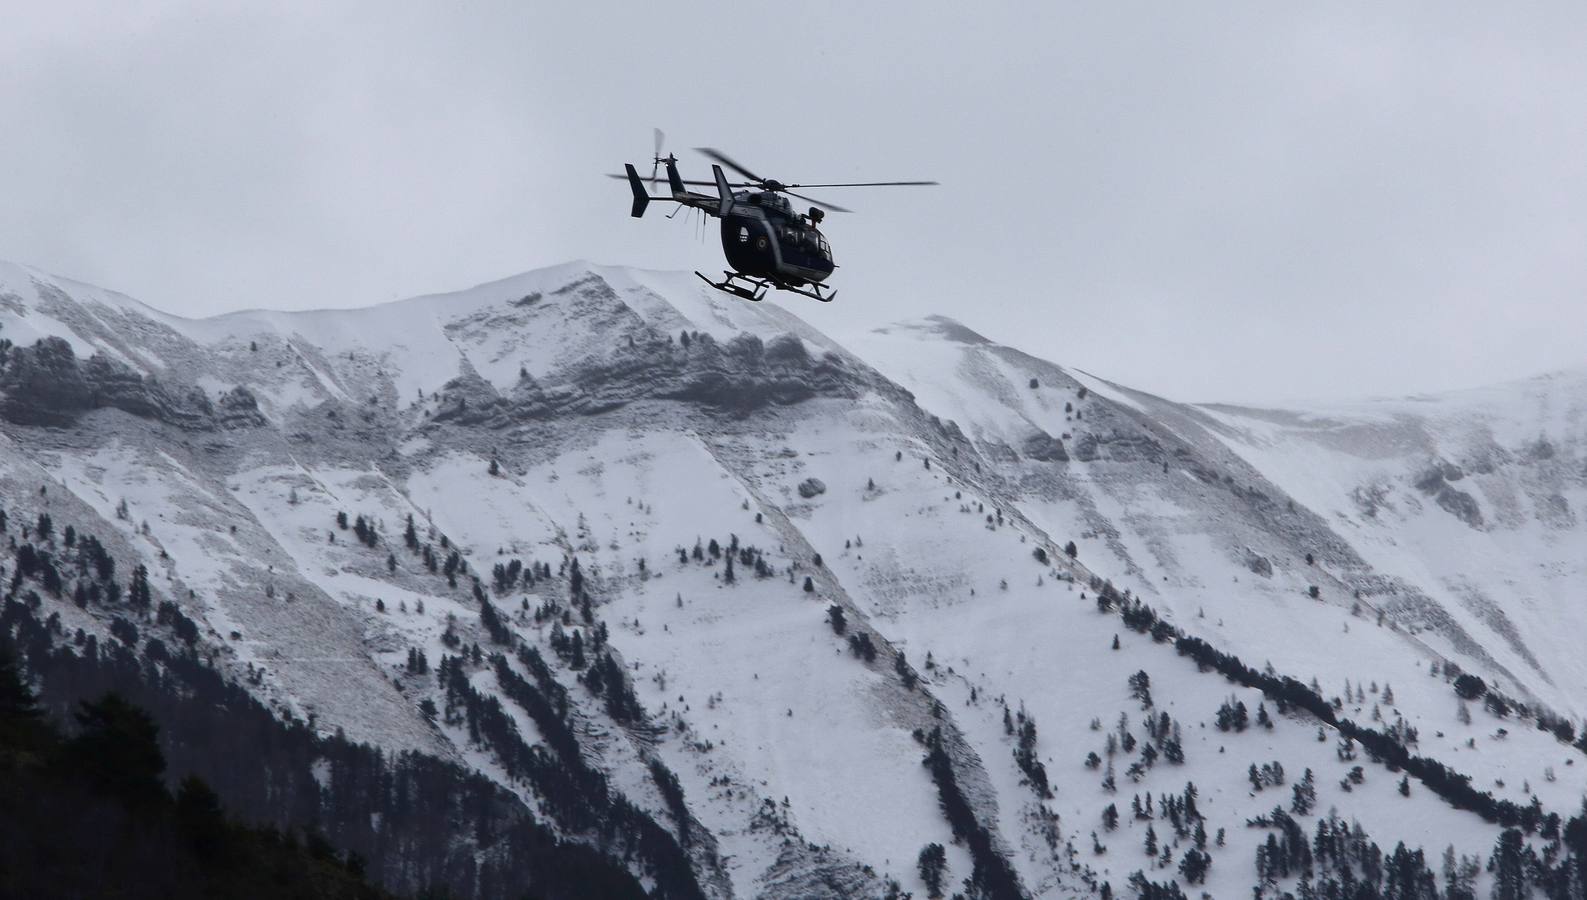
772	184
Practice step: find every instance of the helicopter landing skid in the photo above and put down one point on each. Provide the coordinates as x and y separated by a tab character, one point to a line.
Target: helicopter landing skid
755	288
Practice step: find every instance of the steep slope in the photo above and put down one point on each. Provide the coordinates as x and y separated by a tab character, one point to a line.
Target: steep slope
696	582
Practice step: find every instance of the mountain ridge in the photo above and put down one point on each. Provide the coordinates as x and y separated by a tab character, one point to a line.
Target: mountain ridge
924	482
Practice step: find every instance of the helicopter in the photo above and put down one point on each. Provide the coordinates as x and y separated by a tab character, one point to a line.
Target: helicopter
766	241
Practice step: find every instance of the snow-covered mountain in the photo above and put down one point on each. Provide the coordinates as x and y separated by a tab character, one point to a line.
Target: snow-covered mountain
752	577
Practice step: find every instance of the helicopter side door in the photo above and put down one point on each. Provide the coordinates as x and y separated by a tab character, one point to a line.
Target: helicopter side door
750	244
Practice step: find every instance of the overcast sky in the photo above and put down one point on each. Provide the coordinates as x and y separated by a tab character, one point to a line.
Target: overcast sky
1248	202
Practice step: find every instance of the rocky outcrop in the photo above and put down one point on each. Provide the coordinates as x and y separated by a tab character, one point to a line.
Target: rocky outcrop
1460	504
1045	448
1258	564
746	375
1435	482
812	487
1086	447
238	408
470	400
46	384
738	377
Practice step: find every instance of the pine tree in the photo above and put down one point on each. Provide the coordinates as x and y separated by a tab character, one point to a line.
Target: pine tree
1194	866
23	730
836	619
931	863
1508	865
138	594
901	666
199	812
117	746
1141	688
1305	795
578	651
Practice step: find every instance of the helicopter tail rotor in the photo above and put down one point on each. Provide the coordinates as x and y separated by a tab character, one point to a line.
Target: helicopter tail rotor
655	167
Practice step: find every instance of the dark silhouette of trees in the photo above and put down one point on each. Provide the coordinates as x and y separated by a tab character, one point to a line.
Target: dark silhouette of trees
836	619
931	863
439	826
991	873
1470	687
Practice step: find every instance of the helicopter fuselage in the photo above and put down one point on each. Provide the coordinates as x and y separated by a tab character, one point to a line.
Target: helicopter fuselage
762	236
766	242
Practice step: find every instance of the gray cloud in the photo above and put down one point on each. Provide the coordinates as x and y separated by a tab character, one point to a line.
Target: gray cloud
1237	201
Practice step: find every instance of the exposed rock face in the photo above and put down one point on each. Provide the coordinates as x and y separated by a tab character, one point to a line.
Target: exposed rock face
740	377
1258	564
44	385
470	400
1435	482
812	487
1117	446
47	384
1460	504
1086	447
746	375
1045	448
238	408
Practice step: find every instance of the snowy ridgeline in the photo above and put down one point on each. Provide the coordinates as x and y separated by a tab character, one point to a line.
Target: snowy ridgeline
756	613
